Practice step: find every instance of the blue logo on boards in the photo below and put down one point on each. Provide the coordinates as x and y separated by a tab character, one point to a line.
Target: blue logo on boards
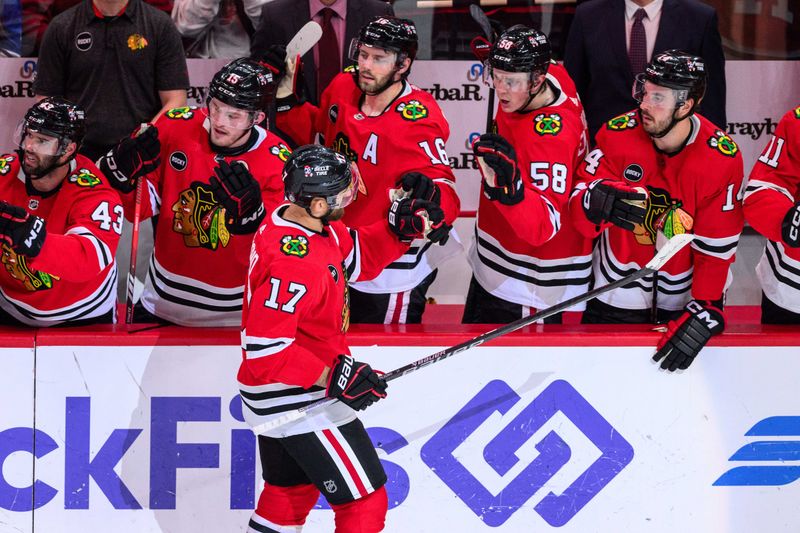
554	453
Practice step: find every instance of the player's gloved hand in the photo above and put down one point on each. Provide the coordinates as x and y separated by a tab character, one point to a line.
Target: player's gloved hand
615	202
497	162
790	228
240	194
23	232
414	219
274	58
687	335
355	383
135	156
420	187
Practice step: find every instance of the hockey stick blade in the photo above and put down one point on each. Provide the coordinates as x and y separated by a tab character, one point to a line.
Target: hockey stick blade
672	247
304	40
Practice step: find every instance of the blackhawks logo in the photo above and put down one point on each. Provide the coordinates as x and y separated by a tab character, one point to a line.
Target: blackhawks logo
622	122
84	178
180	112
547	124
797	112
412	110
722	142
281	151
297	246
675	221
137	42
5	164
199	218
17	267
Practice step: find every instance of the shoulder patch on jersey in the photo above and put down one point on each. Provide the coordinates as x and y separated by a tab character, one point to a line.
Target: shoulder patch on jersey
85	178
797	112
623	122
723	143
178	113
547	124
297	246
349	68
412	110
281	151
5	164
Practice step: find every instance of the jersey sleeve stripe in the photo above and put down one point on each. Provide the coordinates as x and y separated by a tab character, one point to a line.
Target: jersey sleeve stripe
723	248
155	198
256	347
755	186
104	257
352	262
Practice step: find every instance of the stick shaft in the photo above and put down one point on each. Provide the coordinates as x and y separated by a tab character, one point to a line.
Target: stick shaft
137	215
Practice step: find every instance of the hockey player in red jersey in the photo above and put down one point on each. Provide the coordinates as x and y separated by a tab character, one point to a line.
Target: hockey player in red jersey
526	253
397	133
211	176
691	174
60	223
294	349
772	207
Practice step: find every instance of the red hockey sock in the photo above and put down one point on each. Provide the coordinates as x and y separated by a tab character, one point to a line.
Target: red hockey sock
364	515
286	506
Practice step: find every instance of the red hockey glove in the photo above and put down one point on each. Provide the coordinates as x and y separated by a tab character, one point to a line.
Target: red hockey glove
239	193
615	202
414	219
687	335
135	156
22	232
790	229
355	383
501	180
420	187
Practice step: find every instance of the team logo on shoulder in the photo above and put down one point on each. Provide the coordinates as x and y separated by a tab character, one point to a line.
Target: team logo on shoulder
5	164
722	142
137	42
184	113
281	151
623	122
797	112
412	110
334	273
547	124
297	246
17	267
84	178
350	68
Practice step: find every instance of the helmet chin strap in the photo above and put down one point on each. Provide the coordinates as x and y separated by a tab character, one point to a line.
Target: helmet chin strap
672	123
531	96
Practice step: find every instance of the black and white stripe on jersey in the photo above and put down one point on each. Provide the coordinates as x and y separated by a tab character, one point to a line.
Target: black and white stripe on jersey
194	296
411	258
611	270
722	247
754	186
784	272
352	263
155	198
256	347
277	398
104	296
104	256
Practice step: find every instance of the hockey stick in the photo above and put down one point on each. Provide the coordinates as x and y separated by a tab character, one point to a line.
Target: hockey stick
672	247
480	17
305	38
137	217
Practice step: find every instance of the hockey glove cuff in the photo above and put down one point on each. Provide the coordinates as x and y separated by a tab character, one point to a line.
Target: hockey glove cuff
355	383
135	156
22	232
413	219
240	194
687	335
420	187
614	202
790	228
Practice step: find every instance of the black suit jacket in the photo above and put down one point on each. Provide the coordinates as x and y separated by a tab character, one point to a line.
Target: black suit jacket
597	59
281	19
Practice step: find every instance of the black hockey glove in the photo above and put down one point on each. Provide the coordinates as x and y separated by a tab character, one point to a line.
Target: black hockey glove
274	58
615	202
22	232
687	335
501	180
790	229
355	383
240	194
135	156
421	187
414	219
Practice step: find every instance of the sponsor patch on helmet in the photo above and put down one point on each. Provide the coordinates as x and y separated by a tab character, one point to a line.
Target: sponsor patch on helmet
623	122
281	151
84	178
723	143
297	246
5	164
184	113
547	124
412	110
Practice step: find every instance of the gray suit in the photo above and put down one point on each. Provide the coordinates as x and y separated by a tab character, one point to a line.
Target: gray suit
281	19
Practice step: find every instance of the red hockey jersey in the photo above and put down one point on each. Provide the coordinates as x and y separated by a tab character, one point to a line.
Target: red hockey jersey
74	277
198	268
773	188
697	190
409	136
530	253
296	313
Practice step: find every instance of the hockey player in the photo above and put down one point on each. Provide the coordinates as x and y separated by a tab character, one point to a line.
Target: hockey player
397	133
212	175
691	174
59	225
526	253
772	207
294	350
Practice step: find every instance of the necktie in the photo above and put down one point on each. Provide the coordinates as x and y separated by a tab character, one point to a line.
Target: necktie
329	56
637	51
